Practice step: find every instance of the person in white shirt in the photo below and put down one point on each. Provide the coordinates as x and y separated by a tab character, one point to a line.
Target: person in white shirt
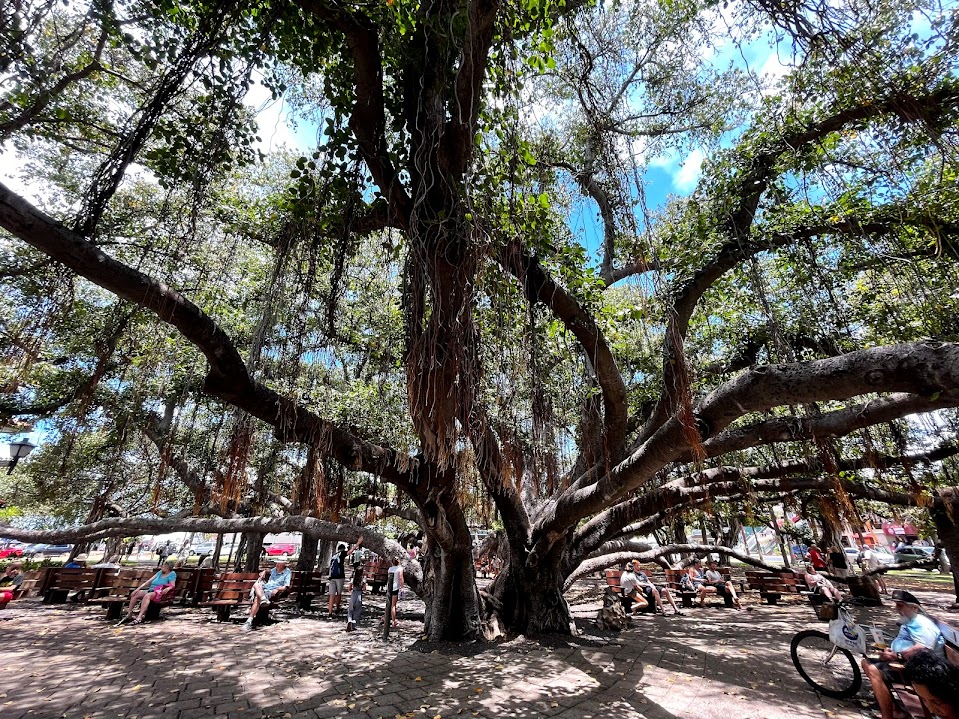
652	592
630	586
820	585
394	584
716	583
870	559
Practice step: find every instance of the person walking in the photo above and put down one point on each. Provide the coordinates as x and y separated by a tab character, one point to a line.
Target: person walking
337	577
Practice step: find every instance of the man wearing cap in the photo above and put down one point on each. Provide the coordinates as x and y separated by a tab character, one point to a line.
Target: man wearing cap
276	586
916	633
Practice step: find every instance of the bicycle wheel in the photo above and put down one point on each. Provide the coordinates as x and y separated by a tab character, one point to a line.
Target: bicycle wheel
836	676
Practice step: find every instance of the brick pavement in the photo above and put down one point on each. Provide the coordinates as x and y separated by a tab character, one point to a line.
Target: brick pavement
67	661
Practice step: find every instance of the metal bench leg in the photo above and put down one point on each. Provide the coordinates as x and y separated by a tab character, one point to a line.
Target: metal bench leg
223	613
114	610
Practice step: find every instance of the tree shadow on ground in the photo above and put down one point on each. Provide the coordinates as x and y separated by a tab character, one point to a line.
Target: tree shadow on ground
72	663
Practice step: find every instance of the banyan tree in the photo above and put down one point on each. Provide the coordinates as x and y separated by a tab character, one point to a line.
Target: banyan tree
471	299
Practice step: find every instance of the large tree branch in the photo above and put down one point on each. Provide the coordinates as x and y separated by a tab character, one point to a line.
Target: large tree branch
914	368
540	286
612	559
133	526
368	119
830	424
758	169
649	510
227	378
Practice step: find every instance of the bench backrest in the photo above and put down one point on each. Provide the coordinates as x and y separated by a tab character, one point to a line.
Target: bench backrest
613	579
376	570
951	636
234	585
77	578
127	580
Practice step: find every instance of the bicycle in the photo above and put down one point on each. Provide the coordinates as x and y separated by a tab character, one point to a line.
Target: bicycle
825	661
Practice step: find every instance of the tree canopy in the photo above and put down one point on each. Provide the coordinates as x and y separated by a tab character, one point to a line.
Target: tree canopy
471	301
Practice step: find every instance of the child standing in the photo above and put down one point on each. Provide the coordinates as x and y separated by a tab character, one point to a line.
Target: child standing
356	600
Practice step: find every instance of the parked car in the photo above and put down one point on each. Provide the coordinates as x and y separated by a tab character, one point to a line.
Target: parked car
883	555
51	550
279	549
11	552
852	555
912	554
202	549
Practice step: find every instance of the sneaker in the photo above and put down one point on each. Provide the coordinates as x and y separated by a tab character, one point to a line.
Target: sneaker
248	625
351	626
265	602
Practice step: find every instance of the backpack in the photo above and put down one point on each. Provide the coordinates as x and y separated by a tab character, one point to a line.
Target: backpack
336	569
686	584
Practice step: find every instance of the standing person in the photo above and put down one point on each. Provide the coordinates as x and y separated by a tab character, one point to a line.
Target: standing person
816	559
357	554
837	559
152	590
163	552
265	594
355	609
870	560
337	577
394	584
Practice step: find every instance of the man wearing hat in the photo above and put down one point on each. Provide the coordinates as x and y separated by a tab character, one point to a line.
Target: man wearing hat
917	633
276	586
78	562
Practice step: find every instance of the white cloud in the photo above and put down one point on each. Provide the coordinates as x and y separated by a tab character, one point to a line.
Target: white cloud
687	175
276	127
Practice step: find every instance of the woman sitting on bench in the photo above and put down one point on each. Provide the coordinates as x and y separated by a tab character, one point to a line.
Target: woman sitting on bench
160	585
818	584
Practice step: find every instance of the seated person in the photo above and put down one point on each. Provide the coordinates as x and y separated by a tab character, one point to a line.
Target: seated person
916	633
78	562
936	681
276	586
629	583
716	583
652	592
153	590
10	581
818	584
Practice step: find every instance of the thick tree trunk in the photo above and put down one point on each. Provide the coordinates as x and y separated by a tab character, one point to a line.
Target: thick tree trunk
945	513
453	605
307	559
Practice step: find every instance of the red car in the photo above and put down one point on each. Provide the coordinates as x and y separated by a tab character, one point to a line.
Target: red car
276	550
8	552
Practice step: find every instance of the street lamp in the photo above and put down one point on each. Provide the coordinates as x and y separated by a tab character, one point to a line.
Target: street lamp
18	450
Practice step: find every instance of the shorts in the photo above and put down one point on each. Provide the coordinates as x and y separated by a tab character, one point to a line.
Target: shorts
891	675
336	586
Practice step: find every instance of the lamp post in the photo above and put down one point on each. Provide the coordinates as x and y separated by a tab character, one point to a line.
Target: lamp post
18	450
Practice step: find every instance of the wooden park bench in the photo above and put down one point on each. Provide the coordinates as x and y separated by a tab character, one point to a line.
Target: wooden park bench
674	578
773	585
908	698
74	584
230	590
376	573
115	595
304	587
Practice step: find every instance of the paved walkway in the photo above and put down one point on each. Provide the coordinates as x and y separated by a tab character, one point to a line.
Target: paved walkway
67	661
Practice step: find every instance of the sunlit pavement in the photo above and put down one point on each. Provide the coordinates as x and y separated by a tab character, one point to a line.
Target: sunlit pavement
67	661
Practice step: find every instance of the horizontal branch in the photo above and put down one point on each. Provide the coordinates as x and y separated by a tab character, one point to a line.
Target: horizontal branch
921	368
618	558
227	378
